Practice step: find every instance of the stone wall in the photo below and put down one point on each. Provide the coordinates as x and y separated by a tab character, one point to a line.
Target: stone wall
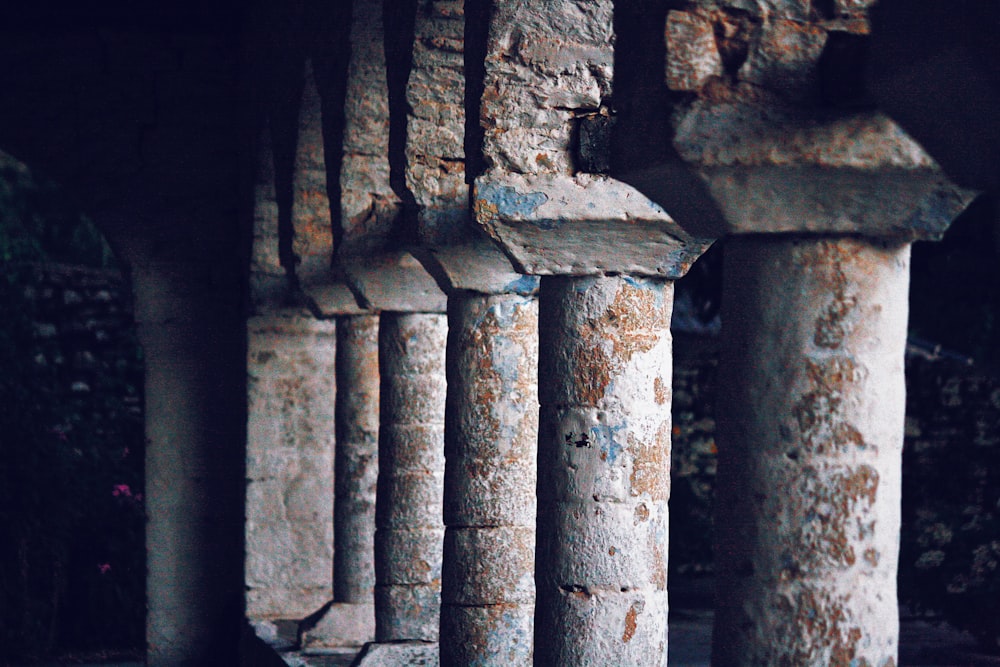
83	321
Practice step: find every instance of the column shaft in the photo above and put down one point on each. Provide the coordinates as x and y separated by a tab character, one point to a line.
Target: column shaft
603	471
810	432
195	353
491	438
409	529
356	458
290	460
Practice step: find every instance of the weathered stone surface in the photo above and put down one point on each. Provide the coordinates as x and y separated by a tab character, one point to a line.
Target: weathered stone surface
606	627
491	442
399	654
810	429
356	469
368	204
409	529
313	242
479	266
584	224
545	63
498	634
435	152
692	54
604	470
342	624
290	440
393	282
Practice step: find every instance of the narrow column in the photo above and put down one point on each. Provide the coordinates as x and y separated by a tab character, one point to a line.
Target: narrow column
811	412
603	471
488	596
356	459
409	531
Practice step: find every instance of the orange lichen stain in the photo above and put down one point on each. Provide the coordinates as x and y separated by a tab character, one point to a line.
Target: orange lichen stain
871	556
818	634
612	551
651	465
661	391
832	501
543	160
630	624
641	513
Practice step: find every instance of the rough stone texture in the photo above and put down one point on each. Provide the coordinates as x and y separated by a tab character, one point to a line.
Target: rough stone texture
435	155
769	146
313	242
393	281
368	205
267	278
290	460
579	225
692	55
604	471
341	625
810	429
356	467
546	62
399	654
491	437
409	530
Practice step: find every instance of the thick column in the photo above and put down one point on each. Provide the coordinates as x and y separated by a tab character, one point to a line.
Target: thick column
810	420
603	471
409	531
356	459
194	347
488	596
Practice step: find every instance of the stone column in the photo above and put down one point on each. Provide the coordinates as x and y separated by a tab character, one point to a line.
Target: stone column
356	459
195	351
810	419
487	613
290	460
409	530
604	471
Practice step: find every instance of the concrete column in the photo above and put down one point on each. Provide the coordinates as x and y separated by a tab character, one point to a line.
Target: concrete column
810	432
409	531
603	471
356	459
491	432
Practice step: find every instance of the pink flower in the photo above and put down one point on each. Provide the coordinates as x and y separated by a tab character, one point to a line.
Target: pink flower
121	490
104	568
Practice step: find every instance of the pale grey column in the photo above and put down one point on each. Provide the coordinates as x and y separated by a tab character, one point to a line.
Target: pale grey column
491	436
603	471
409	529
811	411
356	459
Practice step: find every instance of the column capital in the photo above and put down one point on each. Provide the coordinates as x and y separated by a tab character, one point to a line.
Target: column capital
585	224
769	129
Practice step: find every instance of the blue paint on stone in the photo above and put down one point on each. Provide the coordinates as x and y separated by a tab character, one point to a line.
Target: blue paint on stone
523	285
510	203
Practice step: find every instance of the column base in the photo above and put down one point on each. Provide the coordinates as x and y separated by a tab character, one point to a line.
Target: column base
340	624
398	654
